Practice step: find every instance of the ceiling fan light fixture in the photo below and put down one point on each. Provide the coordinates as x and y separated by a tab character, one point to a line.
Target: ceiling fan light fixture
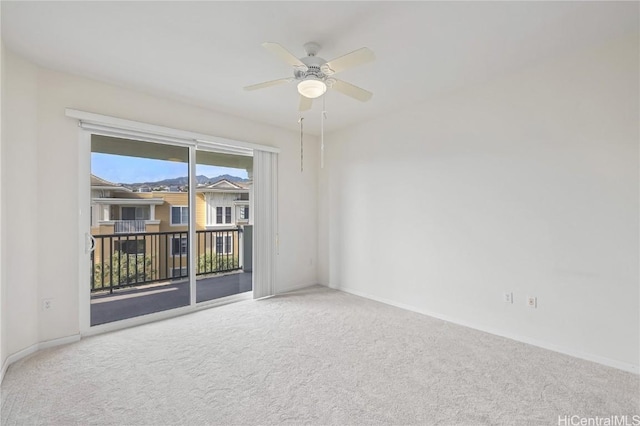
312	88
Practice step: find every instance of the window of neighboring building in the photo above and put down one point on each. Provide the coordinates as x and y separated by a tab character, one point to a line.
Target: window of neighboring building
179	246
130	247
224	244
223	215
179	273
244	212
136	213
179	215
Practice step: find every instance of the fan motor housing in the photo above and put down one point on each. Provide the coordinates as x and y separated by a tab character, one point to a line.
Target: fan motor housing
313	64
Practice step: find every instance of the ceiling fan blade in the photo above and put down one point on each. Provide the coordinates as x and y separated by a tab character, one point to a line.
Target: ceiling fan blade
284	54
350	90
305	103
350	60
267	84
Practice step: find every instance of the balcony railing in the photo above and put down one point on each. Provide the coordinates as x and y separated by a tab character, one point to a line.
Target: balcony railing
133	259
129	226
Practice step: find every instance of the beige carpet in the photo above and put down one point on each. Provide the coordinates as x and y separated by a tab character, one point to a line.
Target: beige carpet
316	356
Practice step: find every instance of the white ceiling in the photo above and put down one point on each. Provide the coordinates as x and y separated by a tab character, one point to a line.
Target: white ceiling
205	52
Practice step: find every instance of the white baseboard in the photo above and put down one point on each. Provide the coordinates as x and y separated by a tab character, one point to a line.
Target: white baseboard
17	356
57	342
632	368
35	348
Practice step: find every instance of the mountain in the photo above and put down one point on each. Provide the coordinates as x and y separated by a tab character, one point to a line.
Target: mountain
184	180
227	177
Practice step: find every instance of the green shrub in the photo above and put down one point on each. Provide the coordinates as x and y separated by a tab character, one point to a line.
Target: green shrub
210	262
123	269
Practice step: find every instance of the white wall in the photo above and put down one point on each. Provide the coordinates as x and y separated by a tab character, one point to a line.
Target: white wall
528	184
19	204
40	172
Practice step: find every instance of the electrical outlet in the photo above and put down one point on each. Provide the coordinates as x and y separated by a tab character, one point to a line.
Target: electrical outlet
532	302
47	304
508	297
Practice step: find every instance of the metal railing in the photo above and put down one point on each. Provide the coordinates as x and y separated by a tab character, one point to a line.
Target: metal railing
220	251
129	226
133	259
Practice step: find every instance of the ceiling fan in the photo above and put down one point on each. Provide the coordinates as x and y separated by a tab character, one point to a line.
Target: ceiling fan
314	74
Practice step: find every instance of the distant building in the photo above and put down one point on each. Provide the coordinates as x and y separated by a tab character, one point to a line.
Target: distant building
117	209
226	203
155	223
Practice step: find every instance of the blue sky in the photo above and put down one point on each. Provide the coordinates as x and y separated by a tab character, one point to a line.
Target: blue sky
121	169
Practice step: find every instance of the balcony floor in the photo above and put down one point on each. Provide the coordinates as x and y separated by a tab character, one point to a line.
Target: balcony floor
133	302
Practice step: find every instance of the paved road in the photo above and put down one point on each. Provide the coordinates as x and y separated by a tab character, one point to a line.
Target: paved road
135	302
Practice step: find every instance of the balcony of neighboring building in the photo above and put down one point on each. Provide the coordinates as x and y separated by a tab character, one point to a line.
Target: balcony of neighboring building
124	215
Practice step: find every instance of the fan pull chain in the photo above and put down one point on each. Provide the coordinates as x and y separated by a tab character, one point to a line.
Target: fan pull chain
301	145
323	116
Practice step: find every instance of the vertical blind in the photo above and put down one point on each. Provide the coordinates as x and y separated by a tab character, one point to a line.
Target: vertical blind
265	234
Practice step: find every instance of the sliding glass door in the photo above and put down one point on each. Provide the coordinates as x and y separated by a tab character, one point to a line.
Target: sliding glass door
161	236
140	228
224	225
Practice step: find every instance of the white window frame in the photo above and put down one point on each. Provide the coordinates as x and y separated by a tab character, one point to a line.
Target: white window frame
245	213
171	215
225	239
224	215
